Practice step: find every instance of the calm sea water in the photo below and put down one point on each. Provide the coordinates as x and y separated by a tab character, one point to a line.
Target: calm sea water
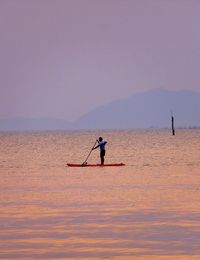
149	209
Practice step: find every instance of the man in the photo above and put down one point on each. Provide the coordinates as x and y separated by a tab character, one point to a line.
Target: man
101	145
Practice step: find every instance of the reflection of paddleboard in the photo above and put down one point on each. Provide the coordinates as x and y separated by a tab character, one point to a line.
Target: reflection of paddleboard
94	165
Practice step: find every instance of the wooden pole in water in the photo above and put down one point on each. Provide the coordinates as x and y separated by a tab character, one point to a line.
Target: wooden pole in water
173	129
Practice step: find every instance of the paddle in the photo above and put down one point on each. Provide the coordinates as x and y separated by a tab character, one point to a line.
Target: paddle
89	153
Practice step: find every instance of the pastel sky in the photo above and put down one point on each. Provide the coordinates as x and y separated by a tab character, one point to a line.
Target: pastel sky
62	58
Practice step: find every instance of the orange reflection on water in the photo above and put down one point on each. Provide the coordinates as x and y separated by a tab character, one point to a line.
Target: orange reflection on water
147	210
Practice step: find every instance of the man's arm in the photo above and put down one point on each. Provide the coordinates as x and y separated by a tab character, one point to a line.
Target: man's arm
95	147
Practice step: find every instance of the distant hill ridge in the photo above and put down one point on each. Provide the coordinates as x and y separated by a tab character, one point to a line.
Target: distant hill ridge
143	110
148	109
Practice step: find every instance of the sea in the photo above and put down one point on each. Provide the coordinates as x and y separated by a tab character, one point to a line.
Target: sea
147	209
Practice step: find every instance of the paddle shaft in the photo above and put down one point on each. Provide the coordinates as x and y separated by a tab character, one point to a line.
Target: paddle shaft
89	153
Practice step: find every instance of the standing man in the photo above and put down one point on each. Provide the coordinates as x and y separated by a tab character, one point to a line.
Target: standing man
101	145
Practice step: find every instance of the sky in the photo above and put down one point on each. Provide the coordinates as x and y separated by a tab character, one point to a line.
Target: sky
63	58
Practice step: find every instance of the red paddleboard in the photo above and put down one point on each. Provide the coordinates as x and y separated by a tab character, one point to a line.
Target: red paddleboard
94	165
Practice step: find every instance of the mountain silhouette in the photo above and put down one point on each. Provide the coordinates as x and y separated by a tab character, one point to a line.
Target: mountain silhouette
150	109
145	110
35	124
